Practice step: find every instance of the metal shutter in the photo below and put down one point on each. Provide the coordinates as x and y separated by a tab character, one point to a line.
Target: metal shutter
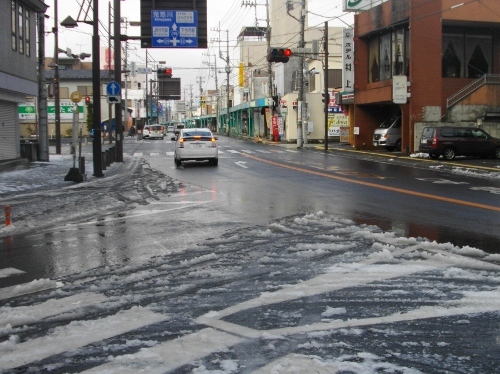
8	123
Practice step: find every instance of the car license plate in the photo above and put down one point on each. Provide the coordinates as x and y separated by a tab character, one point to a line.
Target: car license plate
423	141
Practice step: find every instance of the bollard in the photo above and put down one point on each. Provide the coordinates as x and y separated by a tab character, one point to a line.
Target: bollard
103	159
7	216
82	165
108	157
112	153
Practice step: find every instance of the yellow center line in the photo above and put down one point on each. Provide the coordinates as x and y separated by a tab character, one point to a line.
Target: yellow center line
374	185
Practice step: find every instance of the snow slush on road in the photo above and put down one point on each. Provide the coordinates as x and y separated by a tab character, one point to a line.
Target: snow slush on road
308	293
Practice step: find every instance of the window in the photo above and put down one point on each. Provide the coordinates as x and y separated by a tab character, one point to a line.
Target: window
64	92
312	82
334	78
466	55
398	60
388	55
27	32
20	28
85	90
13	28
385	57
374	61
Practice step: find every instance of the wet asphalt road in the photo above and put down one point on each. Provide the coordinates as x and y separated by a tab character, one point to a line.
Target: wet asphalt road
293	288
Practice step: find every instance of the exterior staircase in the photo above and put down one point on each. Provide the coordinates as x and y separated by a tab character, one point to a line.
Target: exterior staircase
467	90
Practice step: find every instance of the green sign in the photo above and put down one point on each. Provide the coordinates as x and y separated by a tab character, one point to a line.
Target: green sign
27	111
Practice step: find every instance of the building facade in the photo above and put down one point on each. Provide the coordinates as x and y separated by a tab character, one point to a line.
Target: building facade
449	53
18	67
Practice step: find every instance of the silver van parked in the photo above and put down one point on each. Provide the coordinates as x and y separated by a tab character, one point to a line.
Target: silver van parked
388	134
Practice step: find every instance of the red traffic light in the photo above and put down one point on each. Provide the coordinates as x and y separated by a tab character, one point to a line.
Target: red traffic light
279	54
87	99
164	72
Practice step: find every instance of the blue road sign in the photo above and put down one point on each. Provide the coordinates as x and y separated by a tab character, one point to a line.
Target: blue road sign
174	28
113	88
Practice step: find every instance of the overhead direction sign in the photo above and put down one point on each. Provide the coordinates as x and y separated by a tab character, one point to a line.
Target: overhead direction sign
174	28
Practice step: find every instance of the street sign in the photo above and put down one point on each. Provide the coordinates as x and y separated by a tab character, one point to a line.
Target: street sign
144	70
76	97
174	28
114	99
113	89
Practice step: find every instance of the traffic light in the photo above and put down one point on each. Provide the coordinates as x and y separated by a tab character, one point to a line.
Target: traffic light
87	100
164	73
278	54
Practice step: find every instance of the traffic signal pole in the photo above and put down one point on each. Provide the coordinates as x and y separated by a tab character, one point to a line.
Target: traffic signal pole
118	78
301	133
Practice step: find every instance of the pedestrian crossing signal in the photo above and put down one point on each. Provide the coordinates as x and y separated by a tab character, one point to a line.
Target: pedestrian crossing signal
279	54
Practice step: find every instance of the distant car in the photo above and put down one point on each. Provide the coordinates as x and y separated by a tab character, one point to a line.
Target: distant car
196	144
145	131
170	128
178	127
448	141
156	132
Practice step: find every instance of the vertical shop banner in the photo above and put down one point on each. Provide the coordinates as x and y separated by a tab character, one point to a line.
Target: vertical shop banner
348	60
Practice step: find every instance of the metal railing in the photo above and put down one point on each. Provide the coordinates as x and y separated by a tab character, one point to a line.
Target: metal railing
467	90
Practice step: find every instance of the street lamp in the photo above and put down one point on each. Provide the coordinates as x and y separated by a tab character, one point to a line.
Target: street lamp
96	87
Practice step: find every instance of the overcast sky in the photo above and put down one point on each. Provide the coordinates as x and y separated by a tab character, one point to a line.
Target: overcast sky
187	64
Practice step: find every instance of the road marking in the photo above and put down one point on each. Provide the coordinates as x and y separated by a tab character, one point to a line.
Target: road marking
4	273
78	334
233	151
261	151
26	288
440	181
379	186
242	164
22	315
170	355
137	154
154	154
247	151
170	154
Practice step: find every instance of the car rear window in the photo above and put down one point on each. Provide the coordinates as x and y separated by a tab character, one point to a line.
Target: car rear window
156	127
428	132
196	133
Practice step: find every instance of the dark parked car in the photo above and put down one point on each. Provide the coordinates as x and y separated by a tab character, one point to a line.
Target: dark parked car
450	141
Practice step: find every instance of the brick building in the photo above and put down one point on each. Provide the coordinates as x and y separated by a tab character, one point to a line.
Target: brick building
449	51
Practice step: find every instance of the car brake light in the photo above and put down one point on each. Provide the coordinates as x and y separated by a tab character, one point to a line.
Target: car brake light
434	143
181	143
197	136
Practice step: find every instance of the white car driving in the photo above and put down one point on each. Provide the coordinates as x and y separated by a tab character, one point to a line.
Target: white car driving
196	144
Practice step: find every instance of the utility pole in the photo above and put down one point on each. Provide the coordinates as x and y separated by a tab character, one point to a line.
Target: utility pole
325	37
57	94
200	81
217	110
228	71
269	66
301	129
